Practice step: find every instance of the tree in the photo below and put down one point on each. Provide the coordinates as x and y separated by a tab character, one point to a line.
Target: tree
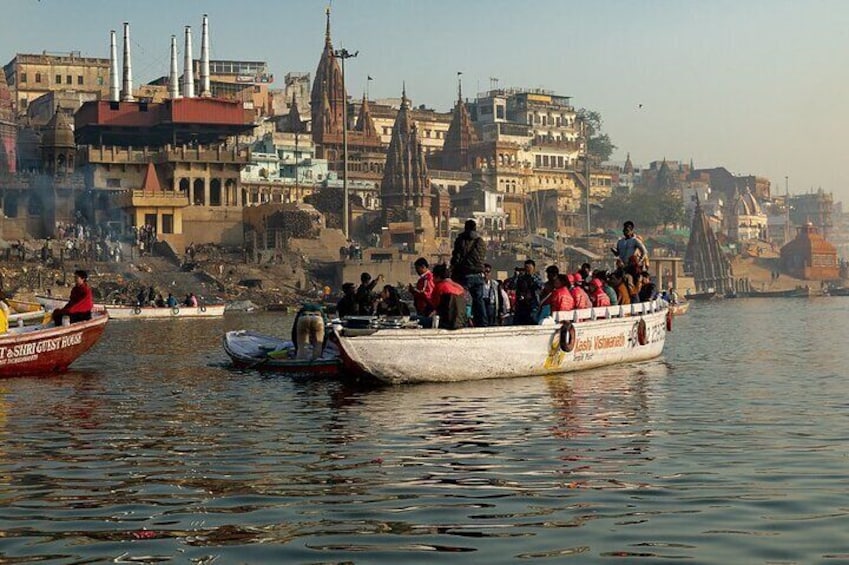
601	147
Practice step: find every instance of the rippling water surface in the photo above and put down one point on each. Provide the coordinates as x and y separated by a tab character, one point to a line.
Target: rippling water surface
732	448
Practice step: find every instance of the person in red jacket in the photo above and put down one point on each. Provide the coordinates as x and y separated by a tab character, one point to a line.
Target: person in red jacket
80	303
560	298
579	295
599	297
448	300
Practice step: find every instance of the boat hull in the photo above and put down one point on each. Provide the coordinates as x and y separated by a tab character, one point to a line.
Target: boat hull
119	312
46	351
428	355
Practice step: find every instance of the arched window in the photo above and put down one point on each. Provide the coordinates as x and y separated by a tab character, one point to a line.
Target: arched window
231	194
184	185
215	192
200	197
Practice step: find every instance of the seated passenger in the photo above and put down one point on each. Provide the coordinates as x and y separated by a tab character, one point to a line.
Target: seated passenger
390	303
648	291
171	302
448	300
617	281
160	302
80	303
579	295
347	305
599	297
560	299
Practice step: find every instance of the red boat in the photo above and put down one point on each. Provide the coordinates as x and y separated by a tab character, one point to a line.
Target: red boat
45	350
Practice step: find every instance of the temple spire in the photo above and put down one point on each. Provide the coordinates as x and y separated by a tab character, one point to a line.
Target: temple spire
327	26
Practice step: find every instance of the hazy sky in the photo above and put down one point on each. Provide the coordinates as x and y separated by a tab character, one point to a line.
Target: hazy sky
758	86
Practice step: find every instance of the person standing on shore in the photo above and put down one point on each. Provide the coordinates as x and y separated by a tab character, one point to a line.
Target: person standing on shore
467	261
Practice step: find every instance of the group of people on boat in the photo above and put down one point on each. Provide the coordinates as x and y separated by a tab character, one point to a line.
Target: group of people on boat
466	293
149	297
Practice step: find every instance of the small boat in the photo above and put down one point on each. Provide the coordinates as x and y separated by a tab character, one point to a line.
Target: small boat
680	308
21	318
842	291
21	306
706	295
798	292
123	312
44	350
248	349
588	338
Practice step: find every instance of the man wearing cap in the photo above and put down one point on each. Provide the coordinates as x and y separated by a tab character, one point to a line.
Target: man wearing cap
80	303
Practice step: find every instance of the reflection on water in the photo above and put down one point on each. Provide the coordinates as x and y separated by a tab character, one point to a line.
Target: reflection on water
728	449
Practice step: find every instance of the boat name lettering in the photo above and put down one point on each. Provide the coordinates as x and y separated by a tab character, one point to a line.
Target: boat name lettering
42	346
608	341
599	342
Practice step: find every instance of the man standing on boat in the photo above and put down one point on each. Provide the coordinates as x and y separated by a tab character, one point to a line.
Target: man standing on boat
627	248
467	261
80	303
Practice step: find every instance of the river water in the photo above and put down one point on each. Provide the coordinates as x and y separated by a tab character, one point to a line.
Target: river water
732	448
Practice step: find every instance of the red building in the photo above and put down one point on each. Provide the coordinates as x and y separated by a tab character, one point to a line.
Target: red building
810	256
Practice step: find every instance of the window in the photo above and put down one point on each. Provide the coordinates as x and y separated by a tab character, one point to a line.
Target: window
113	183
37	77
499	112
69	79
79	79
23	77
167	223
58	79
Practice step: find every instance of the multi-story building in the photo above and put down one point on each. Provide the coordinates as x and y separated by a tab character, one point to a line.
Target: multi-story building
432	125
815	208
32	75
8	131
523	142
283	169
131	147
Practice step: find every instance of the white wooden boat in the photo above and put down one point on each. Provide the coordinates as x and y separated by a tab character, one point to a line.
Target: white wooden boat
586	339
122	312
20	318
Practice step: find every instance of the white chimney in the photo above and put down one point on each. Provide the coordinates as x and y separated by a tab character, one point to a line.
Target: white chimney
173	76
114	81
204	59
188	75
127	88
